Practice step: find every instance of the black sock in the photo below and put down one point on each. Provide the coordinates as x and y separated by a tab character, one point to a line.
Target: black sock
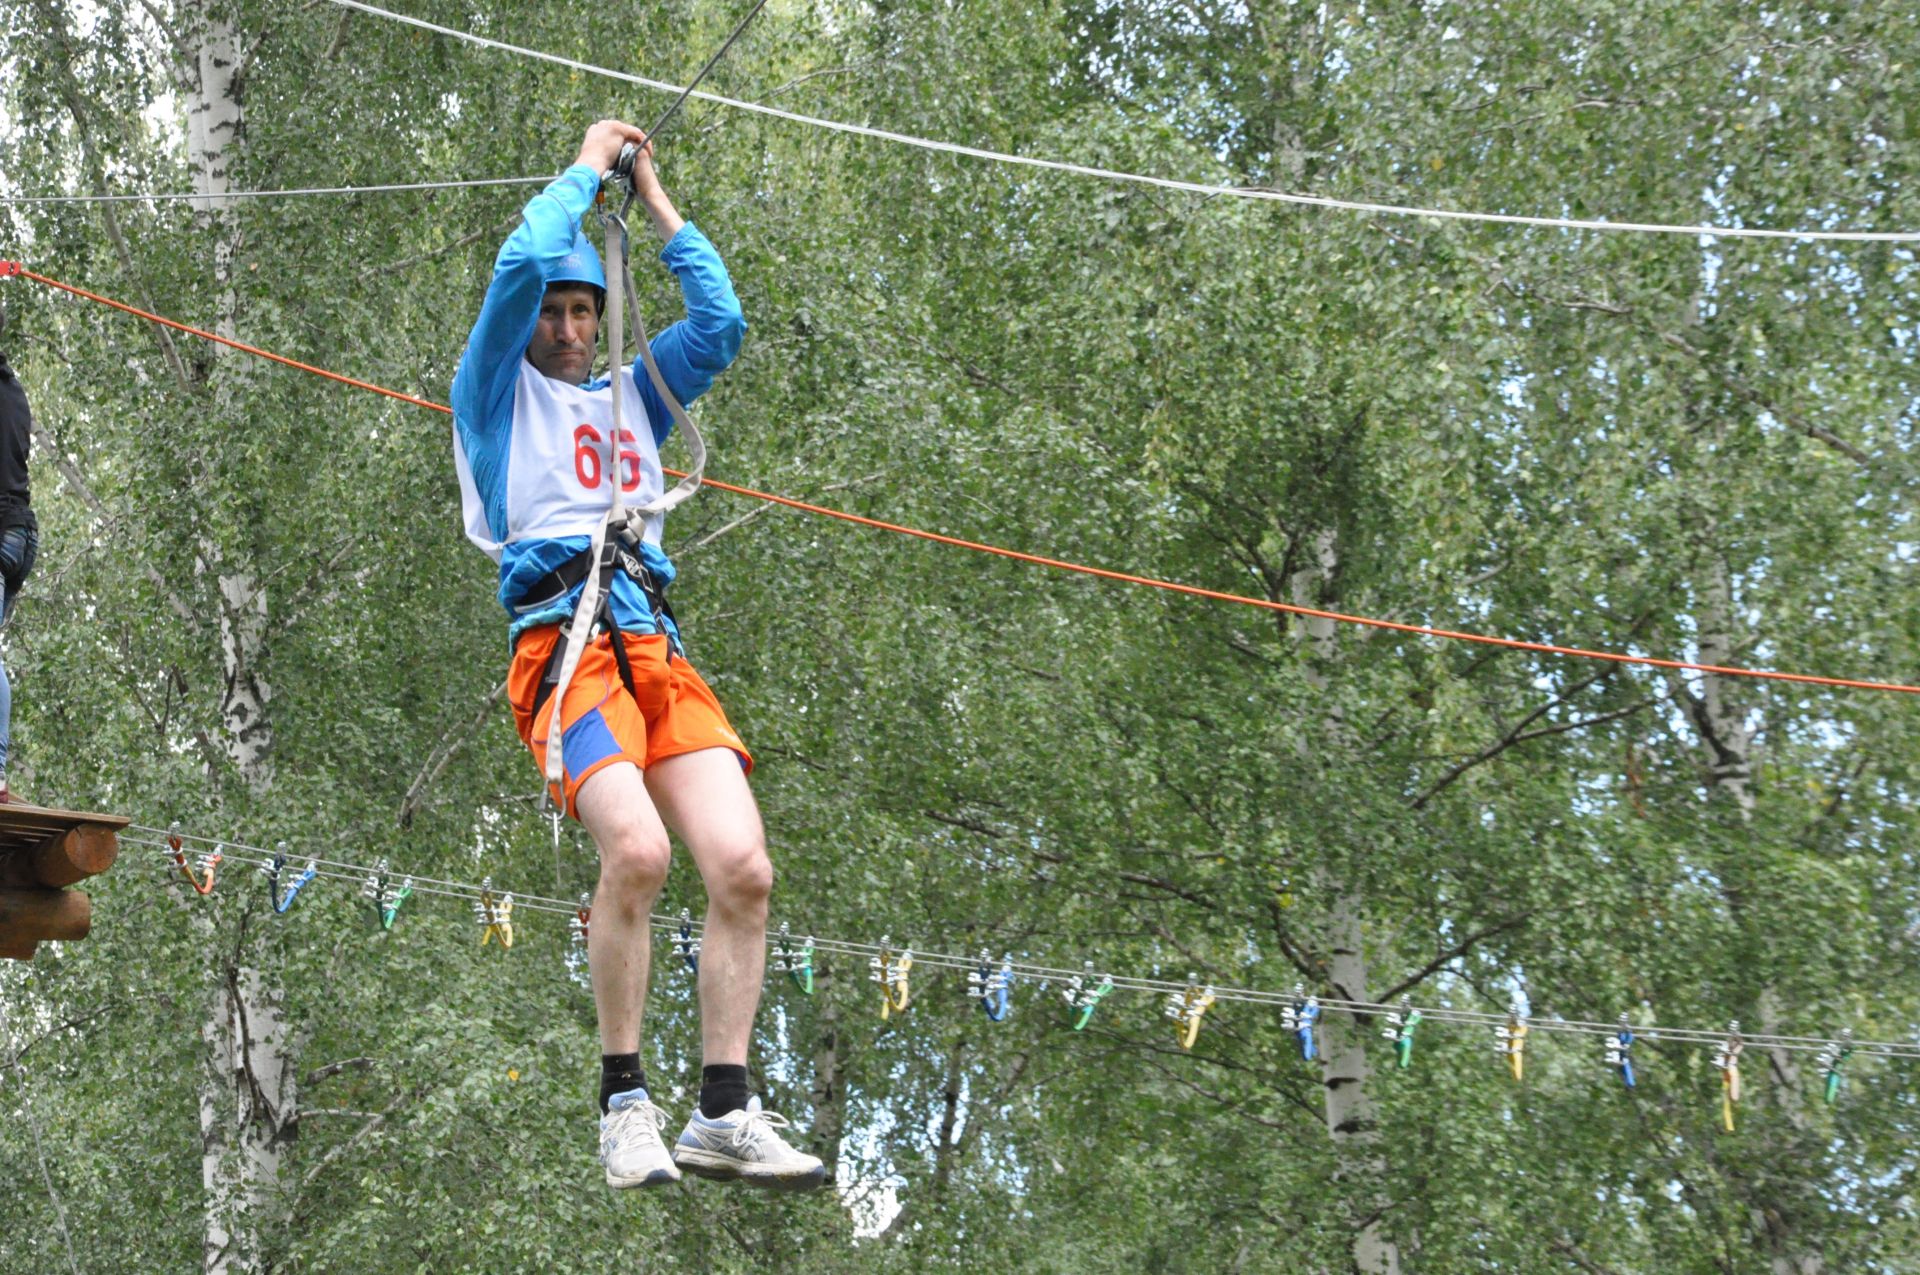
723	1089
618	1074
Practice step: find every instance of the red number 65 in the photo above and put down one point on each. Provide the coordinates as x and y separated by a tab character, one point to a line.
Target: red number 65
586	459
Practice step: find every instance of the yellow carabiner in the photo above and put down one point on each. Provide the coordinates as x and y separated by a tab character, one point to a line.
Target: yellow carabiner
494	915
1728	1061
1512	1038
891	973
1186	1008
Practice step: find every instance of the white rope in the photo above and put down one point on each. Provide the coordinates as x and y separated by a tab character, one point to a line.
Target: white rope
236	852
168	196
1108	174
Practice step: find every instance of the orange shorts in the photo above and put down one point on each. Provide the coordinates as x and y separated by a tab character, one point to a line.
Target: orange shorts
675	712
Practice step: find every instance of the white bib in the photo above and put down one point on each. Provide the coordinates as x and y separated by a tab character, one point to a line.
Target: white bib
560	457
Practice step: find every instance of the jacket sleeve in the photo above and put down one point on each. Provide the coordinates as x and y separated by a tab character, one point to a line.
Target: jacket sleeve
692	352
483	385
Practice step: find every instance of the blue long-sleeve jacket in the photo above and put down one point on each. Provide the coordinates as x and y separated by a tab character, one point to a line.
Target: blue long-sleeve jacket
512	439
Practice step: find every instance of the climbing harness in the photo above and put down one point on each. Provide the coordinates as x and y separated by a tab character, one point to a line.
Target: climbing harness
992	987
616	541
273	869
622	528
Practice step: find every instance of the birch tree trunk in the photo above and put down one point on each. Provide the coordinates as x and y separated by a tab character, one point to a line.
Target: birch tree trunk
248	1102
1343	1066
1727	729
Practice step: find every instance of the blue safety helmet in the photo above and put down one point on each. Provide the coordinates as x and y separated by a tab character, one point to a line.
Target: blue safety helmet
581	265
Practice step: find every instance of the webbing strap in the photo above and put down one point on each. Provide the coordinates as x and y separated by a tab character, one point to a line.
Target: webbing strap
621	294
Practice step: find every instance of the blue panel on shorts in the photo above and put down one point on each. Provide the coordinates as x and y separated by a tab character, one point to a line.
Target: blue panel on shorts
587	743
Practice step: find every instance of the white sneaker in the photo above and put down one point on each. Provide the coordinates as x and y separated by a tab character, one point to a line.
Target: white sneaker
630	1145
746	1145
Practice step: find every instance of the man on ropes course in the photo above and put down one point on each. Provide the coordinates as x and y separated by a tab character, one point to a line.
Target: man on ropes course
19	537
644	745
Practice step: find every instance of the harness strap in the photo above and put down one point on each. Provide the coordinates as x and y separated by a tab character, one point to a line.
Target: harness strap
592	597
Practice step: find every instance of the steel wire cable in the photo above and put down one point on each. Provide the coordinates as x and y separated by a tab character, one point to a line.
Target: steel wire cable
179	196
359	874
1031	559
1108	174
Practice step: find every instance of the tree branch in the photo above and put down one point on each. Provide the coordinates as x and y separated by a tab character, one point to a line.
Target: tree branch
1748	393
443	753
1453	954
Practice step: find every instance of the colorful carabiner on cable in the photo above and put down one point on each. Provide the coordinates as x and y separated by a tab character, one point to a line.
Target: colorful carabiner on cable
1186	1007
282	902
1083	999
582	917
891	973
1510	1041
1833	1058
1400	1025
495	915
1620	1052
1300	1016
991	987
795	963
1727	1059
685	946
201	881
386	897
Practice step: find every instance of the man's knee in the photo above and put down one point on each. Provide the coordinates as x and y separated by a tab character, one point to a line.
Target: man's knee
635	860
740	876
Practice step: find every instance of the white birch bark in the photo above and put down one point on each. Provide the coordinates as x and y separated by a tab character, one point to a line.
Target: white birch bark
1727	730
1344	1070
248	1103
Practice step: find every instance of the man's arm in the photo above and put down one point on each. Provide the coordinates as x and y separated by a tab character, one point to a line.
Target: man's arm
692	352
544	236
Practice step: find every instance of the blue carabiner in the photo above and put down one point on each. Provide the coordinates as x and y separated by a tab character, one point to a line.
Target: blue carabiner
282	903
1304	1019
993	989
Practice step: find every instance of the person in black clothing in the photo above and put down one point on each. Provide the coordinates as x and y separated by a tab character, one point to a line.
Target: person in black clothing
19	535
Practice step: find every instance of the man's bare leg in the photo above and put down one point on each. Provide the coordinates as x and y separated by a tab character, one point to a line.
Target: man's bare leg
617	813
704	798
614	807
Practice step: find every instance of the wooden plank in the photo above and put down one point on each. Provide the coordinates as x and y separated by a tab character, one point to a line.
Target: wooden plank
17	817
32	915
17	950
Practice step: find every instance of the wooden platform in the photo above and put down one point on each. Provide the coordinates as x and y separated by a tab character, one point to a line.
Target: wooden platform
42	852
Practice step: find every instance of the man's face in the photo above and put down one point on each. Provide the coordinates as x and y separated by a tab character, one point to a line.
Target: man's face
564	335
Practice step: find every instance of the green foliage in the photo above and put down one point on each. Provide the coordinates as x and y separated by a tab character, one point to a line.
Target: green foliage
1559	436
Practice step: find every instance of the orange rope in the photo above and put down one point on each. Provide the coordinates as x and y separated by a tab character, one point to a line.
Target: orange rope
1515	644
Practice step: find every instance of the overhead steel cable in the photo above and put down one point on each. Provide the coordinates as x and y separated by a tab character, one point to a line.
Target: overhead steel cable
1032	559
180	196
359	874
1109	174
